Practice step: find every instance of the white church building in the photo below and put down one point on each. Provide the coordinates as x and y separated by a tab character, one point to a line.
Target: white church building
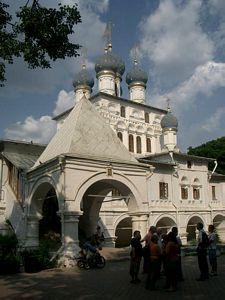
113	162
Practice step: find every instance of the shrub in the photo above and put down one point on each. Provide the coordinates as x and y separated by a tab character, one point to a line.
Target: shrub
38	259
9	260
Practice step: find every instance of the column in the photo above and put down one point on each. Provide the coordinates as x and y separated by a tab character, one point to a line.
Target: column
32	236
140	222
70	234
183	235
70	240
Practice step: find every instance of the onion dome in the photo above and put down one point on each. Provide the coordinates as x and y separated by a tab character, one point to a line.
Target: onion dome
109	62
83	78
136	74
120	66
169	121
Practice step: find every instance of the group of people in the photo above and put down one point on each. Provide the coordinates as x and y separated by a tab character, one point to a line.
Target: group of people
161	254
206	245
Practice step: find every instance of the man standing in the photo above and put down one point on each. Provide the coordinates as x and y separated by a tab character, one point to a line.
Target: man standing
202	253
212	250
135	256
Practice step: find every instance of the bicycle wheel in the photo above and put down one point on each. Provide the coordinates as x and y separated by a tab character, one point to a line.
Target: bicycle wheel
86	266
80	264
100	262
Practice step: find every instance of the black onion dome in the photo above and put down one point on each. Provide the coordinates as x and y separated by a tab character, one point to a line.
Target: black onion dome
169	121
110	62
83	78
136	74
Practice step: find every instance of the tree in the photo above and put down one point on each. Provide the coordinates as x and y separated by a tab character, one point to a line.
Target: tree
212	149
40	35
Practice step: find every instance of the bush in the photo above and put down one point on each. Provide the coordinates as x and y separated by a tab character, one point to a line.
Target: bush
37	259
9	260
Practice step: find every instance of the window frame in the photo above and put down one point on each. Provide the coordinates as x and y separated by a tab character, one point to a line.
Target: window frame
120	135
213	192
138	145
148	145
147	118
163	190
131	143
122	111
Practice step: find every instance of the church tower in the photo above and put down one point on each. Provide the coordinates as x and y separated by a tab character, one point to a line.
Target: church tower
109	68
136	79
169	126
83	82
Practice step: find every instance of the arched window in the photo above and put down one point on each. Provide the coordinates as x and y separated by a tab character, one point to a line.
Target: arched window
120	136
131	143
122	112
184	187
196	193
148	145
146	117
138	141
196	189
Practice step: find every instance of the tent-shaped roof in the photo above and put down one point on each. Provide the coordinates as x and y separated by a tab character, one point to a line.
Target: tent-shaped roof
85	133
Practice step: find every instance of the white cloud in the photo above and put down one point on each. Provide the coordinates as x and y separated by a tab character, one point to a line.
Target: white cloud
214	122
218	5
36	130
40	130
64	101
174	42
205	79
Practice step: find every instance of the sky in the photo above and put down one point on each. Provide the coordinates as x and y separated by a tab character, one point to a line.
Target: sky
181	46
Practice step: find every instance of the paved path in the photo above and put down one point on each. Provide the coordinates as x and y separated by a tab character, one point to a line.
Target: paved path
112	282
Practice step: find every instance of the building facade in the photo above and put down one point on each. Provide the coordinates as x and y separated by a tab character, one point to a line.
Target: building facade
113	162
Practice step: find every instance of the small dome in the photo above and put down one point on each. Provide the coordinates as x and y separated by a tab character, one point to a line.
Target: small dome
169	121
110	62
136	74
83	78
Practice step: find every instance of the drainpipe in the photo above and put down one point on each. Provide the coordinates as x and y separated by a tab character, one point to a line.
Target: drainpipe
176	213
61	165
216	164
1	177
211	213
173	198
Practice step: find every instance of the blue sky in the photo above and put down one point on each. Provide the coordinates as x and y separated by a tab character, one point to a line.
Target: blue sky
182	48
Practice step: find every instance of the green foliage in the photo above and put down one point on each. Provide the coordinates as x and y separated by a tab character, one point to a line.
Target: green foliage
37	259
40	35
8	244
9	260
212	149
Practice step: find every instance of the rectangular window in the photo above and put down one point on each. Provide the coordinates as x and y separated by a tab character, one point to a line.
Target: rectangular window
213	192
184	192
189	164
131	143
196	193
122	112
146	117
163	190
148	145
138	144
